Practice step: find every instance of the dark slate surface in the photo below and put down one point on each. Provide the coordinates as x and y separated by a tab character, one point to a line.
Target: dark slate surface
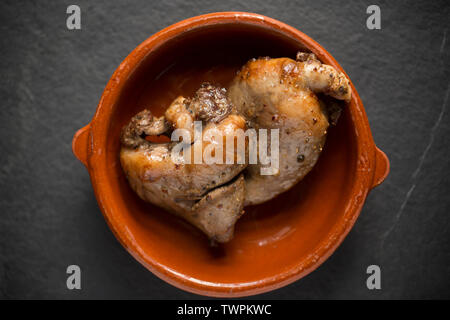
51	81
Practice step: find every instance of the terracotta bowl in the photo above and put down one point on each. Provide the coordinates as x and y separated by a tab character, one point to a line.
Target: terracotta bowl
275	243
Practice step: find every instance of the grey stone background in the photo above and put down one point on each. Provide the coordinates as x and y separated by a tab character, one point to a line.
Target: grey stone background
51	81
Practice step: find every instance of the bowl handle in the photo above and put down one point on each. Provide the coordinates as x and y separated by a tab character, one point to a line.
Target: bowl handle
382	167
80	144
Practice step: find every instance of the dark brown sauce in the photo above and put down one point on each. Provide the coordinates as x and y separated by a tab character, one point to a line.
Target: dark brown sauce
158	139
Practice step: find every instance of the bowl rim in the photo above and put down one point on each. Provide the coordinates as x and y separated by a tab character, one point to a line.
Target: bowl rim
97	135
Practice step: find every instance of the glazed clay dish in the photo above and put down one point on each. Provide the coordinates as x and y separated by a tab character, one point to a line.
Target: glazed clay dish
275	242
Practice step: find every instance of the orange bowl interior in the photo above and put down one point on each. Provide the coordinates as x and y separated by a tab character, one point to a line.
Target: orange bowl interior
270	239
